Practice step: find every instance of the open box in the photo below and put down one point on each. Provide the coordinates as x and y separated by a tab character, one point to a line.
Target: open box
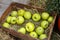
15	6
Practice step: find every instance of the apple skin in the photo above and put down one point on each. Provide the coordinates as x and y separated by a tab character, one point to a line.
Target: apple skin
6	25
36	17
33	34
21	12
27	15
13	20
42	36
45	15
30	27
8	19
14	13
20	20
22	30
39	30
50	19
44	24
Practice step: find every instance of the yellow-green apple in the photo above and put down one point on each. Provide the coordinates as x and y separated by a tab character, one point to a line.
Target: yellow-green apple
20	20
8	19
21	12
30	27
33	34
27	15
45	15
14	13
13	20
22	30
6	25
50	19
44	24
39	30
42	36
36	17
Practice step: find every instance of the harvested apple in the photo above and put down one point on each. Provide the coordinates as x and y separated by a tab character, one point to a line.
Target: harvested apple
13	20
39	30
21	12
14	13
27	15
36	17
6	25
45	15
20	20
22	30
30	27
42	36
44	24
50	19
33	34
8	19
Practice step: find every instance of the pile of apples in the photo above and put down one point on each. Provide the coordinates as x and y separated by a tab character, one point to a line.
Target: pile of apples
19	17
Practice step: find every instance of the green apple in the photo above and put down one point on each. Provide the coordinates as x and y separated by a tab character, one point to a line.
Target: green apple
33	34
36	17
14	13
6	25
44	24
27	15
39	30
30	27
21	12
50	19
22	30
42	36
45	15
13	20
8	19
20	20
